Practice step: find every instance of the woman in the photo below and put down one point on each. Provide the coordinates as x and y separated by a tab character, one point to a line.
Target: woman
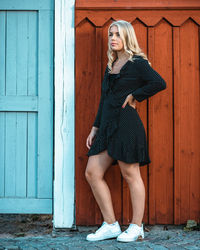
118	135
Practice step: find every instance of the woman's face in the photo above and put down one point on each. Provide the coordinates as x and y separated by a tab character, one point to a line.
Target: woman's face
114	39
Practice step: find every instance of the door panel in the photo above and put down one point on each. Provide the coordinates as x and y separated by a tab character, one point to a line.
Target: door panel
26	107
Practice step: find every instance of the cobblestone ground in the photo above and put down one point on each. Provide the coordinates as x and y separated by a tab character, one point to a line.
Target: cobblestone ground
156	237
36	232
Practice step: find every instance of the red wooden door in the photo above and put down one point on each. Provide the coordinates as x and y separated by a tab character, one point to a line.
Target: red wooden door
169	35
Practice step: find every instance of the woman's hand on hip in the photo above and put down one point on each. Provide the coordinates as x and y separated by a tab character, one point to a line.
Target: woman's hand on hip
130	100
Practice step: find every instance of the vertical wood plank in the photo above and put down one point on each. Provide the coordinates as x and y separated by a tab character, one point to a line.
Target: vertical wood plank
2	154
11	53
32	163
161	128
21	52
187	121
177	136
2	51
2	92
10	154
97	81
64	138
152	136
32	118
21	154
32	23
85	80
21	89
45	104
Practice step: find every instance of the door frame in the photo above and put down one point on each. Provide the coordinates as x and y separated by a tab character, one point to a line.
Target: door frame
64	112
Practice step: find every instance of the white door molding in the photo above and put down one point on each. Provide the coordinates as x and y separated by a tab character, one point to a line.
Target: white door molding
64	118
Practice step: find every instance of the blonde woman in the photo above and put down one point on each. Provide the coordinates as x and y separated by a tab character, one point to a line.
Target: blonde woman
118	135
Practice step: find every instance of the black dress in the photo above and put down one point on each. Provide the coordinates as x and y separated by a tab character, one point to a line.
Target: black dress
121	130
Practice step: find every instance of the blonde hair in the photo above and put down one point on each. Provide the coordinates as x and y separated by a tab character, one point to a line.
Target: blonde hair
128	36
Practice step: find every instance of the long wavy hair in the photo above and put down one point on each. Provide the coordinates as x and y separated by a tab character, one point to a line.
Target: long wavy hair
129	39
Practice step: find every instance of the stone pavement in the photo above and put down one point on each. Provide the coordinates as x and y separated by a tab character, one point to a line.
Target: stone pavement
156	237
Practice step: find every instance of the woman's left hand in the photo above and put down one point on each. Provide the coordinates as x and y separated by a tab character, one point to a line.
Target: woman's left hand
130	100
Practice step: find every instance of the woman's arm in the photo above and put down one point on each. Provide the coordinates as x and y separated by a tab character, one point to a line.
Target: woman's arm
98	116
153	81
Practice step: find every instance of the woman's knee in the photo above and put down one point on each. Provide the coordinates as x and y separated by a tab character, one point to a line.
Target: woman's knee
97	166
92	175
128	177
89	175
130	173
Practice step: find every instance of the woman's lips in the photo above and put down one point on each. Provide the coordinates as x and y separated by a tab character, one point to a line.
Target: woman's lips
113	44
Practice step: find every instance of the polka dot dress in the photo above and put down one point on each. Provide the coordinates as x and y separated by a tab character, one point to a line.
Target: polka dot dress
120	130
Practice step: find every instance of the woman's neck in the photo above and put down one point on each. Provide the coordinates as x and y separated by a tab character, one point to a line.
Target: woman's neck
122	55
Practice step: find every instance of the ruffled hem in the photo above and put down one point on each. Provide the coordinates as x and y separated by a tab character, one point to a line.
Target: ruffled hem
116	148
119	150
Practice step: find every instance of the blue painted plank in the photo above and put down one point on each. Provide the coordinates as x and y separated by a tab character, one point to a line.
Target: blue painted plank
21	154
45	105
26	5
10	154
26	206
2	152
18	103
32	162
2	52
22	52
33	53
11	53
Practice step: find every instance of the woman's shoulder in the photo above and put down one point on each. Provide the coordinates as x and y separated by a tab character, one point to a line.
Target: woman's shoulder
139	61
138	58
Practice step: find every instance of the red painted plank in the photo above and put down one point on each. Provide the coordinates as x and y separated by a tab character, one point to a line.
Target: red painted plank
142	4
161	129
85	114
186	123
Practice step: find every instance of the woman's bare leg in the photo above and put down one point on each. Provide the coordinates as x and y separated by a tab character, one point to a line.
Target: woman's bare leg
131	173
94	173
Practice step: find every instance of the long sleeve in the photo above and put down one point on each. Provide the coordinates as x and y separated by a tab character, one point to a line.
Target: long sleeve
98	116
153	82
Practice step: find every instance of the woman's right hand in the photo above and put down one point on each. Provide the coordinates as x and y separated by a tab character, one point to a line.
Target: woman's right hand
91	137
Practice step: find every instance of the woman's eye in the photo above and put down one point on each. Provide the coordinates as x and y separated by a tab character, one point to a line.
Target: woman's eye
110	34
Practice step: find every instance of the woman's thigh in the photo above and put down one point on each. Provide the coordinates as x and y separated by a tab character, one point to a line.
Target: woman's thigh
98	164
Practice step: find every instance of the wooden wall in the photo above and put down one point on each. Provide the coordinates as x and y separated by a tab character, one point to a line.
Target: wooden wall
169	34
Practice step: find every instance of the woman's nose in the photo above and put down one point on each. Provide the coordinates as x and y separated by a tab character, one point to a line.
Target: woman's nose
113	37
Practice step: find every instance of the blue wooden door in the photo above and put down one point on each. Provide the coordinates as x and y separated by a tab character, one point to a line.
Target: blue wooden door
26	106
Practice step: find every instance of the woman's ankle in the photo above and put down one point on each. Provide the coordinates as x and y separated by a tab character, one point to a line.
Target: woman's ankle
110	221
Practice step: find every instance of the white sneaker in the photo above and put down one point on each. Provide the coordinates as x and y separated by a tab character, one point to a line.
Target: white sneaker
106	231
132	233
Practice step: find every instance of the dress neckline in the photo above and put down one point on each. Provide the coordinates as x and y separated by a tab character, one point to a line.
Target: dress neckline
122	68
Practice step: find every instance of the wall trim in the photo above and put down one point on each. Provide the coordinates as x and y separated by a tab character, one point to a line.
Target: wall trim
64	121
